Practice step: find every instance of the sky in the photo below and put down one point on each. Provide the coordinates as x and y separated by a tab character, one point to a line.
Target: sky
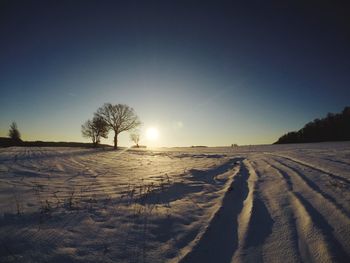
201	73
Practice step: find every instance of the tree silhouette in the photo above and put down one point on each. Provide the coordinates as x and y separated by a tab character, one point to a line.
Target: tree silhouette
14	133
119	118
135	137
334	127
95	129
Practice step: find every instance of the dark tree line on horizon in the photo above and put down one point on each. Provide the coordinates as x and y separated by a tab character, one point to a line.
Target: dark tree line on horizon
334	127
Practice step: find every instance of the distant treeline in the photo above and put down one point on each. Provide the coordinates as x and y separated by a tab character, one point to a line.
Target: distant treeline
334	127
8	142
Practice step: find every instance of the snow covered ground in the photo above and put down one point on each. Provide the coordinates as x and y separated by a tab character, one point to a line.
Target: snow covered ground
278	203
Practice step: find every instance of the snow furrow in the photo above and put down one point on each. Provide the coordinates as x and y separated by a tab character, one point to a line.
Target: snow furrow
330	174
316	188
332	223
283	241
220	239
245	220
312	244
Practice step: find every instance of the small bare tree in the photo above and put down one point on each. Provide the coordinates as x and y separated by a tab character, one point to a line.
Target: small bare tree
14	133
119	118
95	129
135	138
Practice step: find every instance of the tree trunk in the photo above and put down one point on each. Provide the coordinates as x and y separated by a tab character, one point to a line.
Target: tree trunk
115	141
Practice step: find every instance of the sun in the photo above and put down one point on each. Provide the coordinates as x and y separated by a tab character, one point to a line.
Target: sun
152	133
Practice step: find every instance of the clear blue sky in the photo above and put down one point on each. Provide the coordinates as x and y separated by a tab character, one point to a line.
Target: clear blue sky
202	73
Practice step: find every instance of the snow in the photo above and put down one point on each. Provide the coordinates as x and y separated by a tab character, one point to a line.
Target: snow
243	204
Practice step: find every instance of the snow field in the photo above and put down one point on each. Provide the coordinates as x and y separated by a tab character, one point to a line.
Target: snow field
244	204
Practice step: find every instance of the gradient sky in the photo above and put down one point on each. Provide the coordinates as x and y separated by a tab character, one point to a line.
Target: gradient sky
202	73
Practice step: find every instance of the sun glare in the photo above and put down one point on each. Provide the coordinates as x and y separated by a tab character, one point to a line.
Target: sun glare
152	134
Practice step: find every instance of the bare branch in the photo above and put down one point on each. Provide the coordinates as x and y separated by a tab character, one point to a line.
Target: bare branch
119	118
95	129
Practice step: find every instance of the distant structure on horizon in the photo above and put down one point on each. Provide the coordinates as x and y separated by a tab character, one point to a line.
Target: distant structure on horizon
334	127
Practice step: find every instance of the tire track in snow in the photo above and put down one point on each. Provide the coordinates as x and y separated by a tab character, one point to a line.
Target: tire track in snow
322	229
254	222
312	244
283	240
316	188
309	219
330	174
220	239
336	161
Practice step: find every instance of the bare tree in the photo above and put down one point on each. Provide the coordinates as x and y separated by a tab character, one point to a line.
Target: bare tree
135	138
95	129
119	118
14	133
